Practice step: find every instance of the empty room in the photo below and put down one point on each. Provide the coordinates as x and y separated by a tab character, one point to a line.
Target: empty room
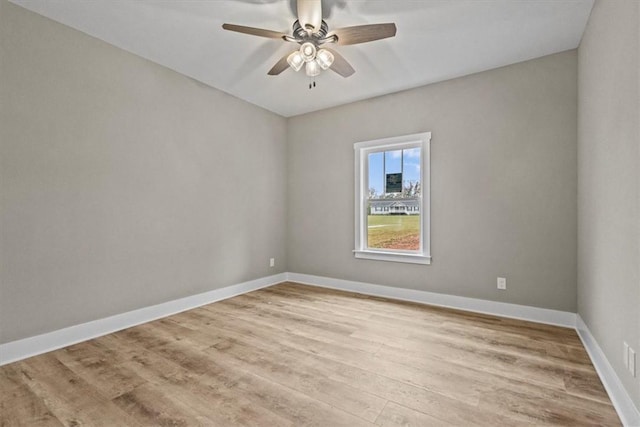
319	212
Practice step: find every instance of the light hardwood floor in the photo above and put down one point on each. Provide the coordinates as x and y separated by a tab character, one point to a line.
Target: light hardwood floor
298	355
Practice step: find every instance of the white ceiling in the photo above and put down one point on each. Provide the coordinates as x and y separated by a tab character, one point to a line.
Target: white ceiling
436	40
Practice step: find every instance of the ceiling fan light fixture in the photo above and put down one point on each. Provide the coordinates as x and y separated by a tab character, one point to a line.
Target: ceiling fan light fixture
324	58
311	32
295	60
312	68
308	51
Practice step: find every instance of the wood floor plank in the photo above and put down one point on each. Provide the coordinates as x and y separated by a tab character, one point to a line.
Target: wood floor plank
368	381
272	324
415	312
446	332
395	415
436	373
431	376
285	400
531	357
532	408
96	366
216	401
71	399
586	385
222	373
514	367
305	378
293	355
19	406
294	369
149	405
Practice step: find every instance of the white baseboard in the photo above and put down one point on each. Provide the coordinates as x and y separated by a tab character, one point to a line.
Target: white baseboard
627	411
514	311
32	346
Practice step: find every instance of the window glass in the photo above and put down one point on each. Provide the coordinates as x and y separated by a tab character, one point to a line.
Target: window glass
394	184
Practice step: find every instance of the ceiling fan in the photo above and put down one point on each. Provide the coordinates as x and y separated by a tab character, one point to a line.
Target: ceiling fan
312	33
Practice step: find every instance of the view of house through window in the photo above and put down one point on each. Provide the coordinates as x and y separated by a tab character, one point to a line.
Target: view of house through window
394	199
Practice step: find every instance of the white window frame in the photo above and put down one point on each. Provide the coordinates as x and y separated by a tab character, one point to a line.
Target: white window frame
362	150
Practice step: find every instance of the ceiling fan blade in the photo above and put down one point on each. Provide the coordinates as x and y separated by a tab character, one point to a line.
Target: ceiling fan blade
254	31
340	65
363	33
280	66
310	14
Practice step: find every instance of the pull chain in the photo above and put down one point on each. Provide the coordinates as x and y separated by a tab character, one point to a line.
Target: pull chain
312	84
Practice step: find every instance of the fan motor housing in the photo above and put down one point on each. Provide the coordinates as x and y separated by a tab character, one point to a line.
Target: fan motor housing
303	35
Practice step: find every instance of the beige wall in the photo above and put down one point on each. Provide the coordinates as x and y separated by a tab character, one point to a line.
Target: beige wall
609	178
124	184
503	183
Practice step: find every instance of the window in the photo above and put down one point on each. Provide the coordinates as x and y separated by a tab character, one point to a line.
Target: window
392	199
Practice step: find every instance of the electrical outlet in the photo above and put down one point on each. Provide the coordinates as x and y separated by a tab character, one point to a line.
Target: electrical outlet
632	361
502	283
272	262
625	354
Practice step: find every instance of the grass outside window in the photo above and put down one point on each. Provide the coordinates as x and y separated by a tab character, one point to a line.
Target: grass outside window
393	232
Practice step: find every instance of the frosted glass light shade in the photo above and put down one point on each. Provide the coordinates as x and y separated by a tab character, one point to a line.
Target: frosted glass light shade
295	60
308	51
324	58
312	68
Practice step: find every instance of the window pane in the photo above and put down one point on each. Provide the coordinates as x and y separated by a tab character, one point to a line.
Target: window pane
411	165
393	161
376	174
393	214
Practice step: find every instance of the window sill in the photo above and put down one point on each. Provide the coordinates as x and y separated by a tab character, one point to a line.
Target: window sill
393	257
